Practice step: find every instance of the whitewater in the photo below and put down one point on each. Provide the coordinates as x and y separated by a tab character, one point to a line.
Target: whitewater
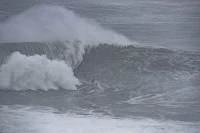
49	24
61	71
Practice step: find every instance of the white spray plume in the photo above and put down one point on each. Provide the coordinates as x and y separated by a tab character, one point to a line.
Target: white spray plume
23	72
55	23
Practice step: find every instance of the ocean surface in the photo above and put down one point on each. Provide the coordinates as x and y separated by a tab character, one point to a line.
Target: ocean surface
107	66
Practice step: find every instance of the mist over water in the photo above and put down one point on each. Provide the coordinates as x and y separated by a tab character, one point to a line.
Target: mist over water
55	23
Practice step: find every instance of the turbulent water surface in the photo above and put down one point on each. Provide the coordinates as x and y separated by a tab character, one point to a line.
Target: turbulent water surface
99	66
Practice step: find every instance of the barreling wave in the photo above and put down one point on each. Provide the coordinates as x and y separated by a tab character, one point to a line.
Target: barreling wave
54	50
25	53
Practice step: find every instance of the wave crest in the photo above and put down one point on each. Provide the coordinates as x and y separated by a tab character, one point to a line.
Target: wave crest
55	23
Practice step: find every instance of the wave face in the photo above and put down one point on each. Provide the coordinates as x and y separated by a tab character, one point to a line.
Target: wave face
50	47
143	81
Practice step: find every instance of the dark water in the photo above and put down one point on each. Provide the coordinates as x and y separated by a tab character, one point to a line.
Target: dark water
128	81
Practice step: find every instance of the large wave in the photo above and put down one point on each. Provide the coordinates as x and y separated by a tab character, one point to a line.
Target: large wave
47	23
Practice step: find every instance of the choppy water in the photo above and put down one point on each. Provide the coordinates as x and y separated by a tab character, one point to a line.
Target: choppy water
109	66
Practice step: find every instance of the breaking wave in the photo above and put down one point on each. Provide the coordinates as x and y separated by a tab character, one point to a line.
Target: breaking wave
47	50
45	65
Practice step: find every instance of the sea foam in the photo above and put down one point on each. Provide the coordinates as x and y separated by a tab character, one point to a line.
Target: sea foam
43	121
